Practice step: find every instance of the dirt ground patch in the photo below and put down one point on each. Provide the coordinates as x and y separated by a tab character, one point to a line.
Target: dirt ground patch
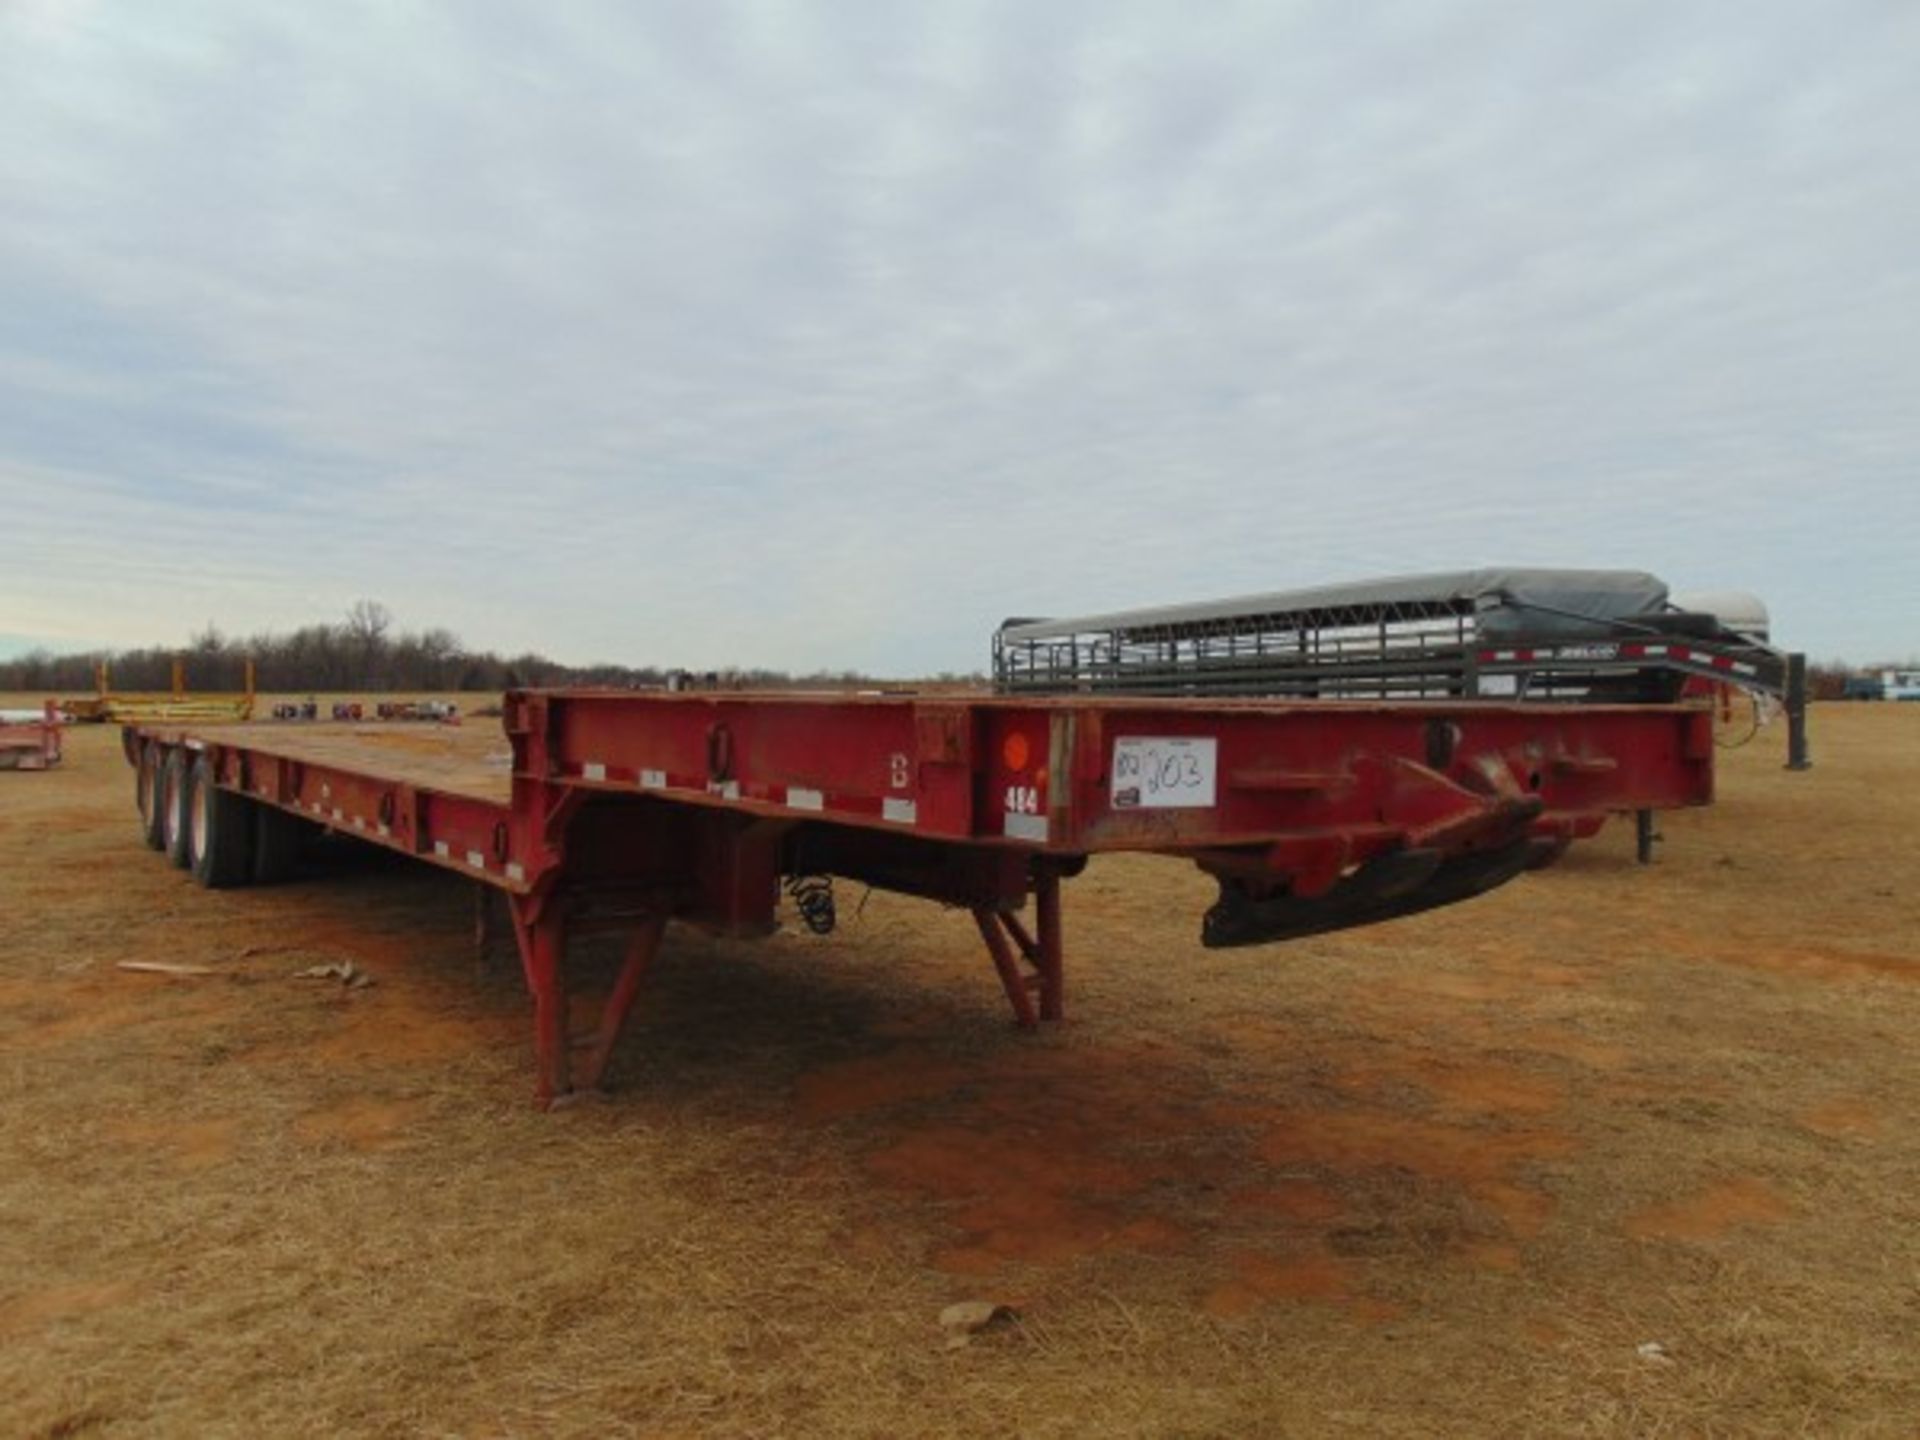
1445	1175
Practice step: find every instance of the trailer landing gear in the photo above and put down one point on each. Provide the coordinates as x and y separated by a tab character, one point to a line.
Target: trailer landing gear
1041	952
571	1066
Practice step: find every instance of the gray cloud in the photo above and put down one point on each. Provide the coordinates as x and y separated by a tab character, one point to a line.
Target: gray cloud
829	336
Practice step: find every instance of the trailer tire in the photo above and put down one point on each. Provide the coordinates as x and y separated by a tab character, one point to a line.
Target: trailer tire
278	839
176	779
219	831
148	793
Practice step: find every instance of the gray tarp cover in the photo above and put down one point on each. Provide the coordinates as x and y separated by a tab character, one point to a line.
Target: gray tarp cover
1510	601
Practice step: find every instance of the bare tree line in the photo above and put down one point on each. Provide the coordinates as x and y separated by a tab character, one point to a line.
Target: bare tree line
365	651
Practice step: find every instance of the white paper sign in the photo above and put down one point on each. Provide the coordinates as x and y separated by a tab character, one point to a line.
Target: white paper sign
1164	773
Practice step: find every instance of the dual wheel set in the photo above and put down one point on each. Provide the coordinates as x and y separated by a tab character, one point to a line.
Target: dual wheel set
224	839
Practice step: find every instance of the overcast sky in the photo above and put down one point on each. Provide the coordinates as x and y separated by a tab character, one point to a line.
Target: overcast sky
830	335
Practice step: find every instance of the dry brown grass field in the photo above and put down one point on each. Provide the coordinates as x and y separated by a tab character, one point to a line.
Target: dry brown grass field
1447	1175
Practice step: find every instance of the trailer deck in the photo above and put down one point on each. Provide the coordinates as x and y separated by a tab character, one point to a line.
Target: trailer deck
474	763
614	810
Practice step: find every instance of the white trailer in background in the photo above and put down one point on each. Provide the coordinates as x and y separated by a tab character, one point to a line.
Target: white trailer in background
1900	684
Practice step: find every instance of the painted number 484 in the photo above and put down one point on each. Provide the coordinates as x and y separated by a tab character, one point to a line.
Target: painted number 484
1023	800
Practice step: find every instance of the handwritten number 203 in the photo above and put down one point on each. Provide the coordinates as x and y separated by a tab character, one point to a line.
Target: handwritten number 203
1180	770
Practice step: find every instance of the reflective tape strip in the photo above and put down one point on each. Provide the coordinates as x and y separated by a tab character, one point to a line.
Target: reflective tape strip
653	779
725	789
1027	827
516	871
900	812
440	849
476	860
593	770
803	799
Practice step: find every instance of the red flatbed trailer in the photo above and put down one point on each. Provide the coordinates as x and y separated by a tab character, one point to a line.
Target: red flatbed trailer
595	810
30	740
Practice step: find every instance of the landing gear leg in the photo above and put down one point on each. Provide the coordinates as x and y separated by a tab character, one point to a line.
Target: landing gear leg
1644	836
1009	943
540	925
640	952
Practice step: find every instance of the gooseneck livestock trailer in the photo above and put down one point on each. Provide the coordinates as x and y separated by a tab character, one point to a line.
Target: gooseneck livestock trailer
1528	634
601	810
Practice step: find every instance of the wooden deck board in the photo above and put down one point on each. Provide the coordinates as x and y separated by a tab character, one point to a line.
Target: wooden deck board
470	760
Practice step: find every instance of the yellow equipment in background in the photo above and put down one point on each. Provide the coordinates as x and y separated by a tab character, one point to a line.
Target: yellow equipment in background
152	708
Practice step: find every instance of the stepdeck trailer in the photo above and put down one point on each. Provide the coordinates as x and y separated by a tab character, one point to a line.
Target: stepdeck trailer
623	811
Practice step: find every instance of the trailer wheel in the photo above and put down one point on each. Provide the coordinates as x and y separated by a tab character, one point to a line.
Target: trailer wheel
278	839
219	831
175	777
148	783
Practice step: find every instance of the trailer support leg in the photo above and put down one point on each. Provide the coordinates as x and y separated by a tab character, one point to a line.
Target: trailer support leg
1644	835
541	928
640	952
1051	959
1011	980
1042	951
482	922
1798	756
